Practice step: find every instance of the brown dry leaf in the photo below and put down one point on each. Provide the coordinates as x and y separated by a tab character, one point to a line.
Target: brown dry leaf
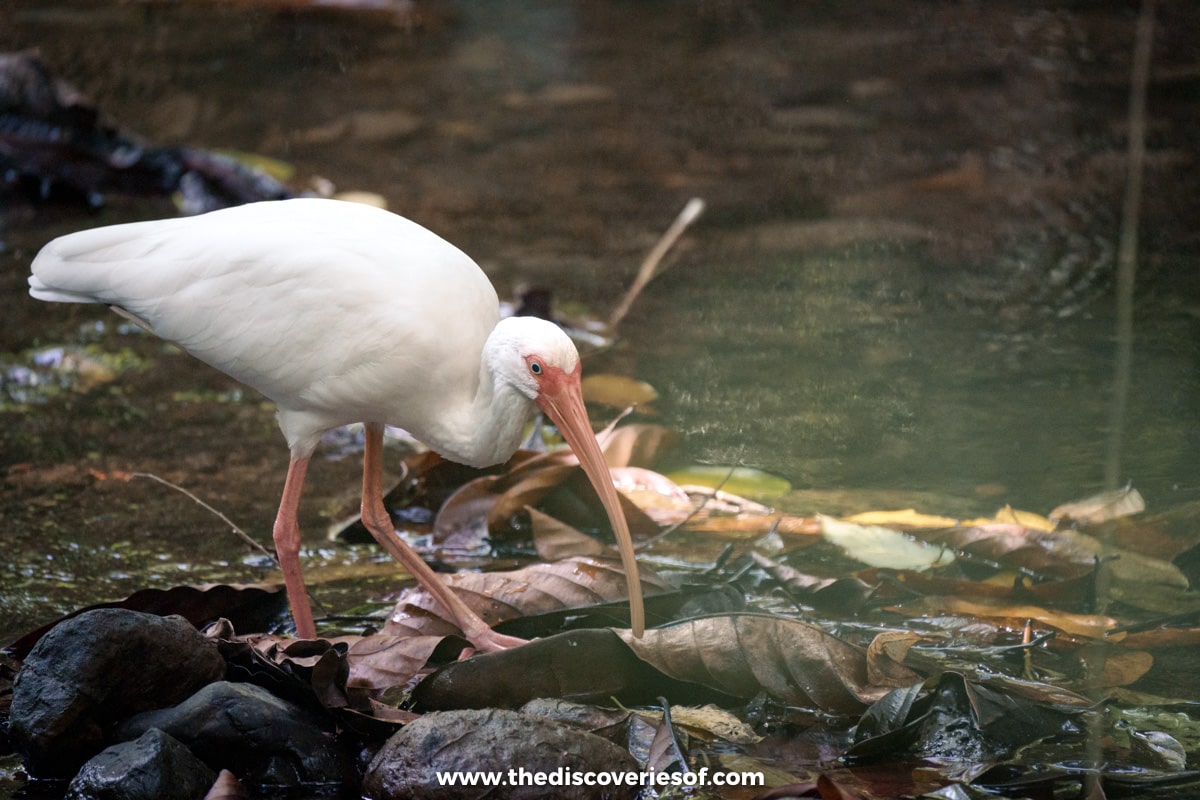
757	524
494	499
744	654
584	666
655	494
1123	667
381	661
556	540
885	658
1090	626
536	589
709	721
1101	507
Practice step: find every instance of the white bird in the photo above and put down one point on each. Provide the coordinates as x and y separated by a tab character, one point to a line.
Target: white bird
343	313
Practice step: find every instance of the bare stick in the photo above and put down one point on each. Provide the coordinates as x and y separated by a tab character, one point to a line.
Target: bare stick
649	268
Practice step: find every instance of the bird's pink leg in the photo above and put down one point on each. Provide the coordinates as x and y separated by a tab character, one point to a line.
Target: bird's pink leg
287	548
377	520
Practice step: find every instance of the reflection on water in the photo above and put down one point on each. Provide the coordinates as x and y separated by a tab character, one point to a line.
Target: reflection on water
902	281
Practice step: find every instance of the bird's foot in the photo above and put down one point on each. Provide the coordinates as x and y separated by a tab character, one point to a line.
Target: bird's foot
487	640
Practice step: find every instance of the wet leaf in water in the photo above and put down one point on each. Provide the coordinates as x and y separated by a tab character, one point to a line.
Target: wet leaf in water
883	547
745	481
584	666
557	540
655	494
744	654
1090	626
1101	507
904	518
1015	516
885	657
617	391
1124	667
709	722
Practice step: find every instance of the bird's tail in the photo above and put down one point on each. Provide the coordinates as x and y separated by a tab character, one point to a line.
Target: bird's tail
41	291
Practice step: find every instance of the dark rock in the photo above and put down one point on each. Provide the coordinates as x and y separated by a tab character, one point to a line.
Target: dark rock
152	767
518	748
94	670
246	729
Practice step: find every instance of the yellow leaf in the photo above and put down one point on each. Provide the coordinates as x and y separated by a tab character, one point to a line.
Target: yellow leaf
883	547
908	518
617	391
744	481
1026	519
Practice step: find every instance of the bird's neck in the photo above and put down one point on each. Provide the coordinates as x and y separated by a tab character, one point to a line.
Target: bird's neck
485	429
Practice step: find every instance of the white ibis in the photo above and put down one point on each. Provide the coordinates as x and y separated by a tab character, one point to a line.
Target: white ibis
343	313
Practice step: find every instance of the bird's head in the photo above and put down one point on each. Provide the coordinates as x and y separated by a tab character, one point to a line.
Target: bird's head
535	357
541	362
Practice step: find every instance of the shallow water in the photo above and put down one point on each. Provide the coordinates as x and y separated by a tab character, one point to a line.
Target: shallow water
901	289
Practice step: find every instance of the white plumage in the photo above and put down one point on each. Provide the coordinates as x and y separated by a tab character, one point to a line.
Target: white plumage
340	313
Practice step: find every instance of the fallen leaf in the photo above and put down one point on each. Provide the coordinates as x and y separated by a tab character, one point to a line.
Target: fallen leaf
905	518
617	391
885	653
711	722
556	540
1091	626
1101	507
745	481
583	666
1123	667
883	547
744	654
1026	519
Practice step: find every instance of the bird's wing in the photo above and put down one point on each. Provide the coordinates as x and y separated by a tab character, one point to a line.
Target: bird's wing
312	302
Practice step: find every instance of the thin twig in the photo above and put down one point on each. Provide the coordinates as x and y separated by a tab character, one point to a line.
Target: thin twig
233	526
690	213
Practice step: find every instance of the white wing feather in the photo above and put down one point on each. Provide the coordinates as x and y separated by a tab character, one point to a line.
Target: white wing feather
315	303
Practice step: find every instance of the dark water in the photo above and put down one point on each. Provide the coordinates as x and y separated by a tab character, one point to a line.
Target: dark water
902	283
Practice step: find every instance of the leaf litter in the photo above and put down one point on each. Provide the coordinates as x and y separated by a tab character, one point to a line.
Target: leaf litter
909	637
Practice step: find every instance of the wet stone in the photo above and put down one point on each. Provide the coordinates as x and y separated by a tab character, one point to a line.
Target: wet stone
154	766
521	749
93	671
261	738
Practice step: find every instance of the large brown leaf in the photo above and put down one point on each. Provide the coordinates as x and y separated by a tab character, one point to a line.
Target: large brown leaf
745	654
584	666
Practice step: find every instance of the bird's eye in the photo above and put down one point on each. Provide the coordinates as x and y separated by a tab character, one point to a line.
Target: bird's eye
535	367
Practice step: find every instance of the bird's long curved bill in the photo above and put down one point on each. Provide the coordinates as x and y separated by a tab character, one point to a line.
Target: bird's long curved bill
564	405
